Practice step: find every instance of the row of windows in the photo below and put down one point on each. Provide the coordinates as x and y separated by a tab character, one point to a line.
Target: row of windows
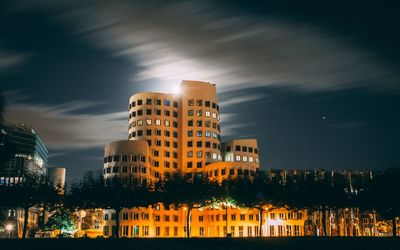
238	158
135	231
149	132
124	169
149	101
167	164
199	103
207	113
232	171
150	112
167	154
149	122
288	216
199	123
125	158
207	144
239	148
208	155
199	133
167	144
287	230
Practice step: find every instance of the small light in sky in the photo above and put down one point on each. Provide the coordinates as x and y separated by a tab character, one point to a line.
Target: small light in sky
324	117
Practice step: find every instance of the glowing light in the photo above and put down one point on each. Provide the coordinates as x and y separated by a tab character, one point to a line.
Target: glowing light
176	90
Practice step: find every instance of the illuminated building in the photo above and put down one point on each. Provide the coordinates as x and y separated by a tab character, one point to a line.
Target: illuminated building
26	154
212	221
178	134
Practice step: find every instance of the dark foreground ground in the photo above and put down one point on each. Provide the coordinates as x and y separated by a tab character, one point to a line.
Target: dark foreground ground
204	244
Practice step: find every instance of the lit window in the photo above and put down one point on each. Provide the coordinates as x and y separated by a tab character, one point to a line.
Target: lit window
208	113
214	156
251	159
237	158
215	136
199	154
244	158
199	112
167	123
148	122
158	122
140	122
208	133
214	115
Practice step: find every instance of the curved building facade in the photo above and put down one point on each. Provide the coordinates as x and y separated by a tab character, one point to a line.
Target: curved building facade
177	134
128	160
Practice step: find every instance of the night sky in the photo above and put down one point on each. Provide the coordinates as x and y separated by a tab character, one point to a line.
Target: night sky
317	85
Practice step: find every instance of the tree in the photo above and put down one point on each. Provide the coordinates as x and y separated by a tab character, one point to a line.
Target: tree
384	195
256	193
315	193
61	220
113	193
189	193
32	191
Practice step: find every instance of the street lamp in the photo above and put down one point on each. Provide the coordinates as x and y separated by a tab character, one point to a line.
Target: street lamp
9	228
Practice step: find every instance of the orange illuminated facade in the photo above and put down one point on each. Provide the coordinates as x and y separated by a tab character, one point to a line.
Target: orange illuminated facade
178	134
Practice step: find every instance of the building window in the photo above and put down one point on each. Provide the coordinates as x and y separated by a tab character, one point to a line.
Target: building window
208	134
199	133
237	158
190	154
158	102
199	164
145	230
158	122
190	112
199	112
201	231
140	102
207	103
190	133
199	154
190	123
167	103
190	144
189	164
237	148
191	102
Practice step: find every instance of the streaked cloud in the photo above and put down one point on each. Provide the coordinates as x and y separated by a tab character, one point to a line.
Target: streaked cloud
61	128
200	40
9	59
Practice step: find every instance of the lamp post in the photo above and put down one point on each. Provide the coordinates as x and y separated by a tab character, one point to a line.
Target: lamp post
9	228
